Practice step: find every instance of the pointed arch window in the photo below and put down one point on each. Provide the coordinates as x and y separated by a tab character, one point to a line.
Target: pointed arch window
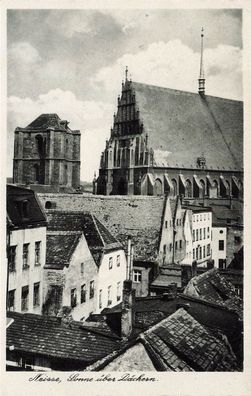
188	190
203	186
174	184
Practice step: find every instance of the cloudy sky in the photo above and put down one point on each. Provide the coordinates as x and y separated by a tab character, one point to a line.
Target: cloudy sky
71	62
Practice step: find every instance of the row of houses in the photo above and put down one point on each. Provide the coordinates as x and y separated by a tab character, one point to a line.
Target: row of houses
74	250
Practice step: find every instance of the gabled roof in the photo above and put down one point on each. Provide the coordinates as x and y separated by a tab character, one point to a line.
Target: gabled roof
18	216
180	343
180	125
96	234
139	217
59	249
45	121
46	336
213	287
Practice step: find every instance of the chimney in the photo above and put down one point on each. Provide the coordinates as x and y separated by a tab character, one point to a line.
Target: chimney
194	268
129	258
127	314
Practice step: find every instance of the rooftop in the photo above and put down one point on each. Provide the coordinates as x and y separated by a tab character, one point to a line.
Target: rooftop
46	336
48	121
139	217
215	122
213	287
23	208
181	343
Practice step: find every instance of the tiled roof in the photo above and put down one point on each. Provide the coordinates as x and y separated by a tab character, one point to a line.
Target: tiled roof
45	335
59	249
139	217
45	121
167	276
216	124
213	287
183	344
95	232
33	216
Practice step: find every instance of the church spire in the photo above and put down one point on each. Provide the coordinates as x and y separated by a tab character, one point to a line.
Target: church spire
126	73
201	79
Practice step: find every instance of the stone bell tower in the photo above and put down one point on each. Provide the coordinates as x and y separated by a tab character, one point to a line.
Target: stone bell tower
47	152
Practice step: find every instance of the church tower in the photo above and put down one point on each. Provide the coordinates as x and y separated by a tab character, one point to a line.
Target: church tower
47	153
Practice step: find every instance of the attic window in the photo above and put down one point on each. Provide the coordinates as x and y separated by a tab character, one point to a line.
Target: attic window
50	205
23	208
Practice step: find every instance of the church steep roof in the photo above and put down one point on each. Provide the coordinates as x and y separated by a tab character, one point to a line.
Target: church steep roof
183	125
50	120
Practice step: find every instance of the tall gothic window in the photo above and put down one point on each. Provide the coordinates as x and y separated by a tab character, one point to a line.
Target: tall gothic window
216	187
175	190
188	191
203	185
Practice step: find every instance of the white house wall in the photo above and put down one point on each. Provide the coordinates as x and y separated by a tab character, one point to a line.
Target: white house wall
33	274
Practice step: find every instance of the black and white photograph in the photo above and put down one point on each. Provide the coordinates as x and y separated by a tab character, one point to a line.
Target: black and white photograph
124	191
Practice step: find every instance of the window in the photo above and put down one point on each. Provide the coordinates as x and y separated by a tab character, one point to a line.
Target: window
109	296
25	208
197	217
176	245
208	232
208	249
221	244
166	224
73	298
100	299
118	291
11	300
200	234
12	258
193	235
170	223
204	233
222	264
170	247
25	255
118	260
82	268
180	244
196	253
200	253
193	254
92	289
110	263
24	298
200	217
204	251
221	231
37	252
36	296
83	294
164	249
137	276
237	239
197	234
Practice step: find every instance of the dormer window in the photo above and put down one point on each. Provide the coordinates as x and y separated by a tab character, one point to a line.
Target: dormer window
201	162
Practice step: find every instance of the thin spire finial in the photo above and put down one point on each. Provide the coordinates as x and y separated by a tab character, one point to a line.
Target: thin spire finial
201	79
126	73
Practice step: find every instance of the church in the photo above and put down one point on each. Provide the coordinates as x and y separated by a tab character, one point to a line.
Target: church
172	142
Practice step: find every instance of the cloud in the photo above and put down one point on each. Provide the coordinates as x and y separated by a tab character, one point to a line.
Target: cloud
23	53
173	64
93	118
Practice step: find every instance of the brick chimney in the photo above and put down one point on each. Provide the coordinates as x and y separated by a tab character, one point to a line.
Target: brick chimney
127	315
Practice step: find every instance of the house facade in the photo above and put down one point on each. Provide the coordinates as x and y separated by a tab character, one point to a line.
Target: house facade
85	265
26	247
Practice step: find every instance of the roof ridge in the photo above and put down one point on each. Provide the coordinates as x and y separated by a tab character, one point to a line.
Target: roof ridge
183	91
95	223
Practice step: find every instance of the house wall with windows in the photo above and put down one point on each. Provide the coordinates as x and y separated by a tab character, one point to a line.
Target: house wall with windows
201	231
111	275
188	259
78	282
26	261
166	239
219	239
